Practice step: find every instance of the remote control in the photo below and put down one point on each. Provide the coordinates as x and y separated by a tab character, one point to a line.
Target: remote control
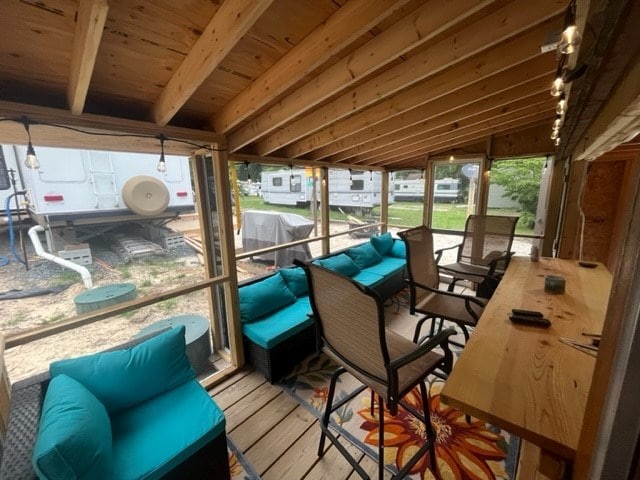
529	313
529	320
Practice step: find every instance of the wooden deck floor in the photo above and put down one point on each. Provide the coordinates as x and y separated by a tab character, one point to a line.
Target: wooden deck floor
277	435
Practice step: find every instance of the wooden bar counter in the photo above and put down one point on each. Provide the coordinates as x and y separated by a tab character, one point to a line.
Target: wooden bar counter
523	378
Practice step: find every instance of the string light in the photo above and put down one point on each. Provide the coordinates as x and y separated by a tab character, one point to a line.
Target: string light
561	107
31	160
162	166
571	37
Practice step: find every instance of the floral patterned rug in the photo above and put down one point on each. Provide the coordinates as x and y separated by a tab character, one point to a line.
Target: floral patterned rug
464	450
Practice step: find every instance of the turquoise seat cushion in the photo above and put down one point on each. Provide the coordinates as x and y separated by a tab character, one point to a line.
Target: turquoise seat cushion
382	243
398	250
151	439
270	331
367	278
263	297
387	266
74	438
124	378
296	280
340	263
364	255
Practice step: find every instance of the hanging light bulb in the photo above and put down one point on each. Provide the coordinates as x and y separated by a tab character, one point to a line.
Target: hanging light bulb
161	166
31	160
570	40
371	175
557	123
561	107
555	134
350	178
451	158
292	179
557	87
557	141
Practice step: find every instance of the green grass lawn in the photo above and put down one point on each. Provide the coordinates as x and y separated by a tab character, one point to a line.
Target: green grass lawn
446	216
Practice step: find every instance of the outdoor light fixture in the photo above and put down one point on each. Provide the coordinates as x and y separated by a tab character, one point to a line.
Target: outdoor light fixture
561	107
557	123
451	158
292	180
31	160
557	141
557	87
162	166
350	178
570	36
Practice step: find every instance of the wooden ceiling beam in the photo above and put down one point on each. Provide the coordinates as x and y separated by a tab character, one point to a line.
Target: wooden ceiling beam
498	90
135	136
534	114
226	28
466	118
517	51
487	32
346	25
419	27
90	21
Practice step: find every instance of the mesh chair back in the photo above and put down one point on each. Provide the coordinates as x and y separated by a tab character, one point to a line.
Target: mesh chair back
351	321
487	237
421	263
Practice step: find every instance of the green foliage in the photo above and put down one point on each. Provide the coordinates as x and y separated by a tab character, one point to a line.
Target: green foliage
520	179
66	276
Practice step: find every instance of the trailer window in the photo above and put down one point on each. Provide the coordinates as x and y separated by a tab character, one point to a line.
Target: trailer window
357	185
276	181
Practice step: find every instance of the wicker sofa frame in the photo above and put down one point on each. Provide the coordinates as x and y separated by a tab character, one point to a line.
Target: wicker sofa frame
27	397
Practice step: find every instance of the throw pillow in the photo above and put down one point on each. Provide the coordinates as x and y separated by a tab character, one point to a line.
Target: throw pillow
382	243
296	280
264	297
74	437
124	378
365	255
399	249
340	263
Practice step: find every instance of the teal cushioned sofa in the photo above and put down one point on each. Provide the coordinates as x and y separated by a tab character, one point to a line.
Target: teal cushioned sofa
277	322
134	412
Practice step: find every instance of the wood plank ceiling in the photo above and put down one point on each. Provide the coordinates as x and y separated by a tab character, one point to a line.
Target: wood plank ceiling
368	83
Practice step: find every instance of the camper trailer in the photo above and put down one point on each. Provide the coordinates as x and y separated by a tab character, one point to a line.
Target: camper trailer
77	194
446	190
349	190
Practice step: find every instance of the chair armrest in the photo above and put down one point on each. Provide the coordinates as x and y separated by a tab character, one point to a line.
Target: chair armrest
438	253
468	299
441	339
493	263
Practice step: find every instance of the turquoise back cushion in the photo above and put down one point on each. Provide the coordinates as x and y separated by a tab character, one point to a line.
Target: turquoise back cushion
296	280
365	255
340	263
263	297
74	438
124	378
399	250
382	243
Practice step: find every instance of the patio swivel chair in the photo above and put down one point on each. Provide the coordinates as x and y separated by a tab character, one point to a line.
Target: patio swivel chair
484	254
351	322
425	297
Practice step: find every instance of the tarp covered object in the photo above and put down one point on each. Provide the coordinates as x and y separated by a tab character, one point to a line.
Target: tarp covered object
265	229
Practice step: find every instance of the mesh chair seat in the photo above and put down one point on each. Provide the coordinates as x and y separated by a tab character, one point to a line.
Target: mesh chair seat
451	308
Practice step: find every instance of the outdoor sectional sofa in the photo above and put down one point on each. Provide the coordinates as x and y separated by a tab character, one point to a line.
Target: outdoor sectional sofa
277	321
134	412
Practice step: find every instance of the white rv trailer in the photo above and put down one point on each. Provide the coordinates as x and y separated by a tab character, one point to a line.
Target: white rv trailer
94	191
348	190
412	190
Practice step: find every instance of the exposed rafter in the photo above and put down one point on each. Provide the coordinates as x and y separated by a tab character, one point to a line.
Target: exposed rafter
229	24
89	27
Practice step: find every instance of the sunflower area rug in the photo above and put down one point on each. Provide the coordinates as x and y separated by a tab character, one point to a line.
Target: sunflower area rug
464	449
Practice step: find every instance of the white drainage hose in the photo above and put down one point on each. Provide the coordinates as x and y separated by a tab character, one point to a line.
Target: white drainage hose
84	273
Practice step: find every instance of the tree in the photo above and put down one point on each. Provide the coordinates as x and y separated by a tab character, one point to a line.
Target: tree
520	179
